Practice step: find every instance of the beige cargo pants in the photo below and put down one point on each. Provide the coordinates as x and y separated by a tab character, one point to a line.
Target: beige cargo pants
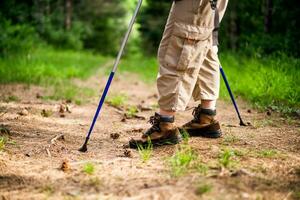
188	61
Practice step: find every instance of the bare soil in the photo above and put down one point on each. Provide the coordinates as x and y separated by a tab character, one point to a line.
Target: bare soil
41	159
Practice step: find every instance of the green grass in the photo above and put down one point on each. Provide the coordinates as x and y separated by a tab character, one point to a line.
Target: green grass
181	162
227	158
146	67
145	152
3	141
117	100
203	188
52	68
131	111
267	153
89	168
270	81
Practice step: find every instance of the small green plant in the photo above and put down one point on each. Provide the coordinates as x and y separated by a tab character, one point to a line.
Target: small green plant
117	100
181	161
89	168
185	135
267	153
78	102
3	141
131	111
12	98
296	194
226	158
145	152
48	190
202	168
230	139
46	113
203	188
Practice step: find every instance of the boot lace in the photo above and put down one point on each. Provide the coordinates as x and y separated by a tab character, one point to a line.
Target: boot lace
154	121
196	114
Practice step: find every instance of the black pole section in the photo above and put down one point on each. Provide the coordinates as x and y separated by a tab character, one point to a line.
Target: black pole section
232	97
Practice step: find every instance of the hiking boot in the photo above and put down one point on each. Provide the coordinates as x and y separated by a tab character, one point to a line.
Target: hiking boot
204	124
162	132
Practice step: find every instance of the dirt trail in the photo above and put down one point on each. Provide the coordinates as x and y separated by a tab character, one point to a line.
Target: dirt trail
267	162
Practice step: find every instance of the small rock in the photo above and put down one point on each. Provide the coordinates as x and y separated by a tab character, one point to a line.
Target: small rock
65	166
24	112
38	96
123	119
115	136
62	108
62	115
28	154
128	153
249	111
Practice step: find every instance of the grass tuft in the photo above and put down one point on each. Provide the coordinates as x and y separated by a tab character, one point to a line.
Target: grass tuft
3	141
89	168
131	111
203	188
267	153
146	152
227	158
181	161
117	100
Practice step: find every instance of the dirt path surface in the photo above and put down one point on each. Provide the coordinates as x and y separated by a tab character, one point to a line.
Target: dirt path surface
261	161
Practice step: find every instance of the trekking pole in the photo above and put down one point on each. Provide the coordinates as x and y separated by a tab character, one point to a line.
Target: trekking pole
232	97
111	76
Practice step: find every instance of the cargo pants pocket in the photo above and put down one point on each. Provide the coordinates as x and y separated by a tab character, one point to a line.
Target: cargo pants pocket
184	44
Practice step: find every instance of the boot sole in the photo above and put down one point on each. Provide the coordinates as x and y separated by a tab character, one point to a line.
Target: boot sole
204	132
169	141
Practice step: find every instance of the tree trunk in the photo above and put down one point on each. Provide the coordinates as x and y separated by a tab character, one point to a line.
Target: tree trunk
268	15
68	14
233	26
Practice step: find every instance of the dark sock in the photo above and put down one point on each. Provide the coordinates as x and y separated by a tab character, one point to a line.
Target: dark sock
208	112
166	118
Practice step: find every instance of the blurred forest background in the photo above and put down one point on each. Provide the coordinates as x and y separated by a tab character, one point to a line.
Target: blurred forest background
62	39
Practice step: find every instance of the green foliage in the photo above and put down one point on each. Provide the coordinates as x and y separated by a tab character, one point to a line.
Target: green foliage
145	66
152	24
203	188
63	39
267	153
145	152
16	39
3	141
53	69
267	82
181	161
117	100
226	158
12	98
202	168
89	168
185	136
131	111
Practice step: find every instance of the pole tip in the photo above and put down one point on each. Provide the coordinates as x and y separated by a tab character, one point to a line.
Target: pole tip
83	148
243	124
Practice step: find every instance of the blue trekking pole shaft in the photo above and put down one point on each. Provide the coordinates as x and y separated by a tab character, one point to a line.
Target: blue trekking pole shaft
231	96
111	76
